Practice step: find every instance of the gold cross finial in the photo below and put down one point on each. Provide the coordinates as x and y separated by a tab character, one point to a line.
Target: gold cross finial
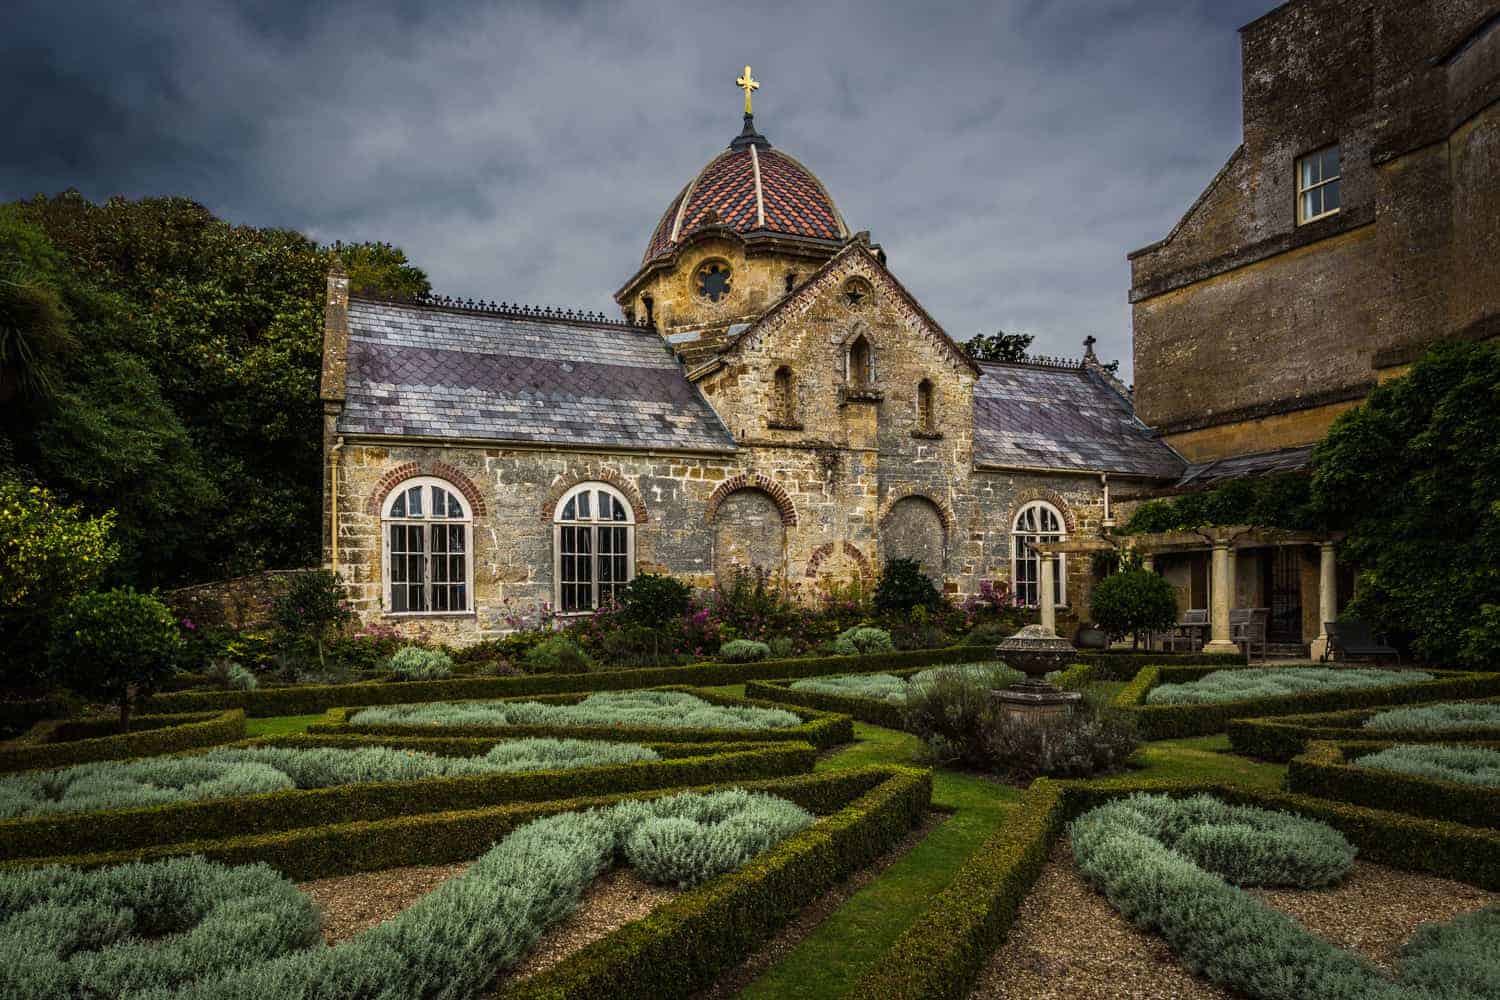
747	83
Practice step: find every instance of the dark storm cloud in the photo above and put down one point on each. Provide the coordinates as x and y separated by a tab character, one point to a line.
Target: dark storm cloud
1007	155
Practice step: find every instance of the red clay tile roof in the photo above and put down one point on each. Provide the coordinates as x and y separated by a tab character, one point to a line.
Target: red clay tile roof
754	188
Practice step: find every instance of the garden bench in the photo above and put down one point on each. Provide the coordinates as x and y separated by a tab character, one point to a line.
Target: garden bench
1247	628
1355	641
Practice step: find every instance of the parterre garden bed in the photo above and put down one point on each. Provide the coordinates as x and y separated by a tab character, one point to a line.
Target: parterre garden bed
1282	738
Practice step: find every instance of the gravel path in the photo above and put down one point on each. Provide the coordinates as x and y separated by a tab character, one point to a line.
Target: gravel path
1070	944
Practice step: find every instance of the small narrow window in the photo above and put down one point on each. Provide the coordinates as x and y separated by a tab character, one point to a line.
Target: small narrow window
926	420
791	281
859	363
785	399
649	303
1318	185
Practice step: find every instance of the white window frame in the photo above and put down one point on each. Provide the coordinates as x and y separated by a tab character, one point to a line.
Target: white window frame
1022	554
429	522
594	524
1306	185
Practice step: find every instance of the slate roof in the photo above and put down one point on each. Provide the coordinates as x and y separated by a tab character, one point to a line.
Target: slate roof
424	371
1054	417
1266	463
739	186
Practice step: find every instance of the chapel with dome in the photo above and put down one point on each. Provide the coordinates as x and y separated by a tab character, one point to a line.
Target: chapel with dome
771	399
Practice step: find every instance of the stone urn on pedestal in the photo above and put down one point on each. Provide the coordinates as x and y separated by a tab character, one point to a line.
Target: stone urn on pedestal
1035	651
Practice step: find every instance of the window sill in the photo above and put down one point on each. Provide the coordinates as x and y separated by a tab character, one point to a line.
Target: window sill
784	425
428	614
927	435
860	395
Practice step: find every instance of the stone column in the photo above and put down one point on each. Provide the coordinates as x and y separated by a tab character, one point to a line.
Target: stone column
1223	592
1045	598
1328	599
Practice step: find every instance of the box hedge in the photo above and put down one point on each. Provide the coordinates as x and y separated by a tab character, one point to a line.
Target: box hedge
312	699
873	710
81	741
434	838
685	944
821	729
1327	771
1164	722
1280	738
211	819
942	953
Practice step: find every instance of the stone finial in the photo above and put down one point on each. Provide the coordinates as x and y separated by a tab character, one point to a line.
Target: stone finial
1088	348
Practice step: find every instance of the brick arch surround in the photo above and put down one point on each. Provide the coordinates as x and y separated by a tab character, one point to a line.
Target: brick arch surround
753	481
610	476
1070	523
439	470
945	513
822	552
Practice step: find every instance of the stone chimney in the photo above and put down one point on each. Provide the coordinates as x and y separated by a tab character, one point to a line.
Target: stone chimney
335	336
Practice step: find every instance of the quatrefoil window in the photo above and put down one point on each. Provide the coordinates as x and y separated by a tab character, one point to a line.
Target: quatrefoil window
713	280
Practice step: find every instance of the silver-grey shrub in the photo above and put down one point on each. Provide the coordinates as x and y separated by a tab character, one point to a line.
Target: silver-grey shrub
889	687
1466	765
414	663
235	771
1259	682
113	932
1163	864
1436	718
454	940
657	709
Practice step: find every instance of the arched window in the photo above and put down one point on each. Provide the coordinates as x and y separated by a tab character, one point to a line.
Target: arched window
926	415
594	541
784	398
860	372
1037	522
428	530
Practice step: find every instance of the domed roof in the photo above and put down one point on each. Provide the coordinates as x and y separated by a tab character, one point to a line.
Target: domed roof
751	188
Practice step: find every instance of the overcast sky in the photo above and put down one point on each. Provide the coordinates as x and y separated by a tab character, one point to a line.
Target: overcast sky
1007	154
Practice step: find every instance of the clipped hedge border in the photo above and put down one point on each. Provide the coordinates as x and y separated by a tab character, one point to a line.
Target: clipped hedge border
685	944
873	710
1166	722
945	949
821	729
435	838
268	812
1284	737
158	734
312	699
1327	771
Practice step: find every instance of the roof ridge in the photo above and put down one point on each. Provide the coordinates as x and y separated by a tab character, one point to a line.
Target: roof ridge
1041	361
515	310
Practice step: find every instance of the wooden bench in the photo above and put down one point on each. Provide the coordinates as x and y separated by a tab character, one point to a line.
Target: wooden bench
1355	641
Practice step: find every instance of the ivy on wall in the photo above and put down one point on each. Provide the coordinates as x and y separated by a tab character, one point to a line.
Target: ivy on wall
1283	501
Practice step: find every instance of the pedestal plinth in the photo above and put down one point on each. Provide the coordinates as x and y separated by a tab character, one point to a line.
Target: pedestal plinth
1025	705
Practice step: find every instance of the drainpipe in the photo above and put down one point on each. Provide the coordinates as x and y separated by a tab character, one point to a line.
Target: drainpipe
333	501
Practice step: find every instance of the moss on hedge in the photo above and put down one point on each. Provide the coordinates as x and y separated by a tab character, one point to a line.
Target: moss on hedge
153	735
821	729
1165	722
1327	770
212	819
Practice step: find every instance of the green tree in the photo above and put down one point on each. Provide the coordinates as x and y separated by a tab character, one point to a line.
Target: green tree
1133	602
998	346
903	586
1413	476
34	334
190	403
312	607
115	645
654	602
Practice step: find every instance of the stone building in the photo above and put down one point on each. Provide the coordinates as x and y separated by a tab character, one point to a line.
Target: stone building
772	397
1357	223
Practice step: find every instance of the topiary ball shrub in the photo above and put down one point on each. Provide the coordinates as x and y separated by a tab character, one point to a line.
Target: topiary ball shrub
1133	602
903	586
114	645
414	663
863	640
744	651
559	655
